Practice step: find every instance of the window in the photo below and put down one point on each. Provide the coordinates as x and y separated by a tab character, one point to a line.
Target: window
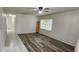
46	24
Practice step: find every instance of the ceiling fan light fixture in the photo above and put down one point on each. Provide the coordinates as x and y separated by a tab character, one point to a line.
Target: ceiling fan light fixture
40	12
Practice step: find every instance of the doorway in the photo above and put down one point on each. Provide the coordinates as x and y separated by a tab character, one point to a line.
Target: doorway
10	19
10	22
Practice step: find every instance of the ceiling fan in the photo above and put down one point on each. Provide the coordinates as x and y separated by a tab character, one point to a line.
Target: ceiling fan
40	10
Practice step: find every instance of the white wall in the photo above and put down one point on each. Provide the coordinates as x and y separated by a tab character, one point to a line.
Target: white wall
1	11
25	23
2	30
65	27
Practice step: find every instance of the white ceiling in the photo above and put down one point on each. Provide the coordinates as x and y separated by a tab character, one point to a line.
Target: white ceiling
33	10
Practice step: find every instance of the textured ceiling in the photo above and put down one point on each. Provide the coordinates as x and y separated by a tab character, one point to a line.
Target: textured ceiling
34	10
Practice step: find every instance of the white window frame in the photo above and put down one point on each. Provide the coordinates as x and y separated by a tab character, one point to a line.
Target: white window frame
45	25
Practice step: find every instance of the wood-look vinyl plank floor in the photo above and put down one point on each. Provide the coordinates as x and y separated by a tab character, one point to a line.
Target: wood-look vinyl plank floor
40	43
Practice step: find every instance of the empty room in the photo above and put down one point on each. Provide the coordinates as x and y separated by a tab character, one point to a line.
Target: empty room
39	29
